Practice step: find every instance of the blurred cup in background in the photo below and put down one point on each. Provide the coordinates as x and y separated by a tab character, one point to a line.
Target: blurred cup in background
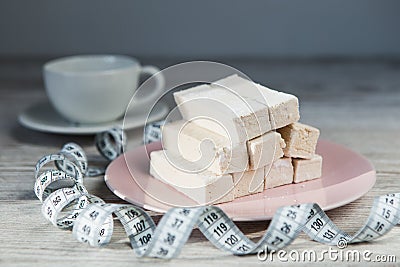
96	88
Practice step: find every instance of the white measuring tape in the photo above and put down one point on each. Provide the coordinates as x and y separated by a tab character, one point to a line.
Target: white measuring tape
67	204
152	132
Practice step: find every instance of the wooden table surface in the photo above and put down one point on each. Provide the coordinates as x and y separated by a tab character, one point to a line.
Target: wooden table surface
354	103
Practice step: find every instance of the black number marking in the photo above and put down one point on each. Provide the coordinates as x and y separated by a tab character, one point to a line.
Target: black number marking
221	228
70	192
139	226
177	223
386	213
131	214
317	224
86	229
163	252
170	239
56	200
102	231
286	228
185	212
82	204
276	241
311	214
93	215
49	212
291	214
369	236
44	179
390	201
145	239
329	235
232	240
379	226
211	218
243	248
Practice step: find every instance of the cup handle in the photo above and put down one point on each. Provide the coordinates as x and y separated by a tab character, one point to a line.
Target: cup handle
160	83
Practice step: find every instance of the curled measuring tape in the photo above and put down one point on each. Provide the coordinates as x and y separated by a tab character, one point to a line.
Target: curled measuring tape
67	204
61	190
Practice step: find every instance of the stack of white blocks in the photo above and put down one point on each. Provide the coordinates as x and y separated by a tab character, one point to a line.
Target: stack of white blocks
236	138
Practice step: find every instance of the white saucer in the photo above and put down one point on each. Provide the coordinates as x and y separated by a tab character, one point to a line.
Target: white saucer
42	117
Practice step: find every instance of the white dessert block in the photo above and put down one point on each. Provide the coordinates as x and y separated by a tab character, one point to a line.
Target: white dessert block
307	169
265	149
248	183
283	108
209	150
279	173
301	140
224	111
203	187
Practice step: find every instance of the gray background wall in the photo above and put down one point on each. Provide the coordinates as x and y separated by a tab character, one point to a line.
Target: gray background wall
200	29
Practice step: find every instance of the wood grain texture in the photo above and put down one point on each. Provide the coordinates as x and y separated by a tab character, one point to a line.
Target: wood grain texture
356	104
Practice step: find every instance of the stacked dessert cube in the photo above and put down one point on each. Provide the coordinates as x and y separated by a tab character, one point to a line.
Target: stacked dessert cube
236	138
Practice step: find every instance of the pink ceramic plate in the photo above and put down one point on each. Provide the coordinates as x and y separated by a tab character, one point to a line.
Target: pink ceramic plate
346	176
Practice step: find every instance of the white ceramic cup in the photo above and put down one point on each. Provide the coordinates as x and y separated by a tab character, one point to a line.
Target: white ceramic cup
96	88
